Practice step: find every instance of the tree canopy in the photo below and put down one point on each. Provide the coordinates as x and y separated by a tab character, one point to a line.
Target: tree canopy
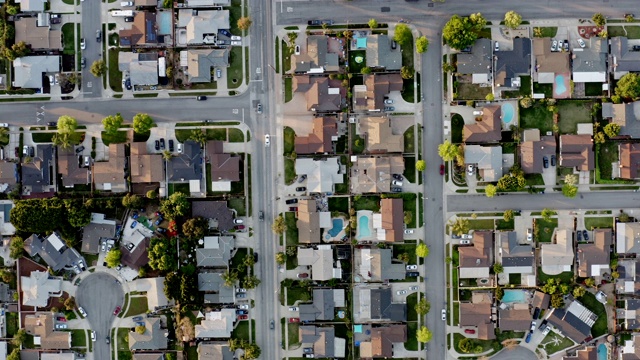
424	335
113	258
98	68
422	44
447	150
461	32
599	19
175	206
460	226
16	247
373	23
244	23
142	123
67	124
611	130
423	306
421	165
422	250
402	35
132	201
112	123
195	228
490	190
512	19
628	86
162	254
278	225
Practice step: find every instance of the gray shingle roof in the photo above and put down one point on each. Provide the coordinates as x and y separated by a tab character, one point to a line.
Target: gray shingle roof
511	64
186	165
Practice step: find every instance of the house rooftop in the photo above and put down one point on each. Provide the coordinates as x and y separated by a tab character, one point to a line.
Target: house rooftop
576	151
320	96
488	160
371	95
379	135
478	61
487	129
154	338
373	174
320	140
317	58
532	153
593	258
380	54
513	63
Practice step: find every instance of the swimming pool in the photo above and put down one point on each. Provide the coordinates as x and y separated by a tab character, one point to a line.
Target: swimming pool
507	112
603	352
514	296
164	23
560	86
363	226
337	227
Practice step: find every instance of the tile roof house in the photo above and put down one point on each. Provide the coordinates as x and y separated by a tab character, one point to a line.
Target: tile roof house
28	70
40	325
201	61
478	62
629	160
588	353
321	262
216	324
374	304
631	348
145	167
142	67
377	265
558	257
311	222
8	175
109	175
488	160
154	337
187	165
218	211
513	63
516	258
373	174
590	63
576	151
389	224
320	97
197	27
379	135
321	138
593	258
316	59
475	260
487	129
53	250
628	238
70	170
136	257
533	150
143	31
36	34
322	175
630	314
629	280
549	63
37	171
478	315
97	230
212	284
514	317
381	55
626	115
574	322
218	350
323	341
623	60
540	300
38	287
382	341
216	251
225	168
323	307
371	95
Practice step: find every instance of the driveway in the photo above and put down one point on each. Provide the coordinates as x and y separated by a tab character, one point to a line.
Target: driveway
518	352
99	294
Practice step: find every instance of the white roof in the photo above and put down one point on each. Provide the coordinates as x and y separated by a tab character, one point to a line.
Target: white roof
56	242
596	76
322	175
28	70
558	257
224	186
37	288
216	324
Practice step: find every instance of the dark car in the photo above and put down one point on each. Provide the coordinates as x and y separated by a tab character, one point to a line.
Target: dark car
162	143
133	224
158	221
413	274
16	151
396	189
536	313
261	215
303	275
398	177
129	19
585	234
170	145
291	201
441	169
313	22
636	47
127	84
32	151
108	339
579	235
242	312
52	123
80	149
255	257
553	160
201	98
545	162
157	144
98	35
224	32
223	42
301	188
293	208
302	178
239	227
139	323
83	62
566	45
307	350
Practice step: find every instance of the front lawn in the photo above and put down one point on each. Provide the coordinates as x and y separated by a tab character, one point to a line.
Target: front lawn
536	117
565	277
289	171
295	293
553	343
234	71
288	89
606	154
410	169
289	140
481	224
236	135
118	138
241	331
598	222
571	113
292	228
412	300
469	91
42	137
79	338
631	32
545	229
412	340
68	37
115	75
409	140
237	263
548	31
137	305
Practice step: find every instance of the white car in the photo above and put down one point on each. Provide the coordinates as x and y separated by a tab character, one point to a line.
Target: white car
408	231
467	236
236	37
396	182
533	326
554	45
529	234
236	43
388	101
82	312
83	44
465	242
61	326
497	46
238	221
444	314
244	307
581	43
4	125
401	292
478	113
412	267
93	336
471	170
413	288
267	140
293	308
242	290
546	330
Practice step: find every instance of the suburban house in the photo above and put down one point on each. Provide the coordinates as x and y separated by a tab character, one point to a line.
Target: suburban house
38	173
381	341
142	67
623	60
631	348
574	321
629	280
540	301
187	167
28	70
321	138
38	287
479	314
377	265
516	258
587	353
322	175
153	288
225	168
40	326
95	232
381	54
533	149
514	317
629	160
512	64
379	136
487	128
215	292
71	173
311	222
628	238
217	212
215	251
576	151
487	159
143	31
320	96
199	63
218	350
630	314
550	64
593	258
374	304
478	62
625	115
389	224
109	175
321	262
323	340
138	256
373	174
475	260
216	324
590	63
200	27
316	59
53	250
153	338
558	257
37	33
371	95
8	175
145	167
323	307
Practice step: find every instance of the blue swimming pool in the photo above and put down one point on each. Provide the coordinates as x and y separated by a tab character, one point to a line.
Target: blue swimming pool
560	86
164	23
337	227
363	227
507	112
603	352
514	296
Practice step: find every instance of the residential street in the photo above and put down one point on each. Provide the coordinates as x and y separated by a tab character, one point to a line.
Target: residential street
91	22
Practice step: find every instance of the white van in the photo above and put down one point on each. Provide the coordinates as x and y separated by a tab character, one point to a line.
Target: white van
126	3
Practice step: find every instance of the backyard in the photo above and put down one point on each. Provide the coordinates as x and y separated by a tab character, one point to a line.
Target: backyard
367	203
469	91
571	113
590	302
292	228
536	117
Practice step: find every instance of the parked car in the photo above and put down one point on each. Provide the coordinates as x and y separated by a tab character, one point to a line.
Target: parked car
242	290
157	145
469	331
585	234
236	43
83	44
532	327
133	224
53	123
83	62
82	312
162	143
238	221
396	182
313	22
302	178
294	308
61	326
389	108
413	288
528	338
259	108
408	231
137	318
241	312
635	47
553	160
32	151
466	236
267	140
158	221
477	113
293	208
218	73
413	274
93	336
388	101
244	306
140	323
546	330
443	314
398	177
87	161
581	43
545	162
239	227
201	97
127	84
161	230
108	339
566	45
116	311
171	145
401	292
465	242
441	169
291	201
294	320
255	257
224	32
307	350
61	318
471	170
497	48
297	50
129	19
396	189
243	317
579	233
179	148
411	267
303	275
554	45
301	188
241	295
529	234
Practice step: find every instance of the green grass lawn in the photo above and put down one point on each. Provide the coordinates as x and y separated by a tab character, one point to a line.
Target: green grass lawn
548	31
289	140
606	154
590	302
288	89
79	338
237	263
504	225
546	228
409	249
485	344
457	124
536	117
598	222
412	300
340	204
357	143
68	37
565	277
286	56
534	179
631	32
571	113
115	75
292	228
294	333
12	323
551	347
354	66
234	71
412	341
481	224
367	203
525	89
289	171
119	138
123	338
593	89
238	204
468	91
217	134
236	135
409	140
137	305
241	331
410	169
41	137
295	293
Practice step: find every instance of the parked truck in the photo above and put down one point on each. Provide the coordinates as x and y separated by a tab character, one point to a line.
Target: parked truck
121	13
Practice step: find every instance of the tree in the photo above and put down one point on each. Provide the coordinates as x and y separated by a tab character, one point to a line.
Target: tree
498	292
406	72
230	278
628	18
569	191
628	86
112	123
175	206
77	214
461	32
570	179
598	138
373	23
172	285
142	123
366	70
460	226
15	354
447	150
185	331
278	225
140	329
498	268
424	335
16	248
195	228
252	351
113	258
507	215
244	23
422	44
170	356
67	125
281	258
19	337
408	216
579	292
512	182
599	19
404	257
423	306
62	140
547	214
490	190
490	97
248	260
20	49
421	165
198	136
132	201
512	19
98	68
465	345
251	282
70	303
591	282
402	35
162	254
152	194
448	67
526	102
611	130
556	301
422	250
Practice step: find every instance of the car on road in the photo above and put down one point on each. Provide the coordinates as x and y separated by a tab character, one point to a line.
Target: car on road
137	318
93	336
259	108
471	170
469	331
301	188
238	221
243	317
98	35
82	312
554	45
267	140
553	160
408	231
201	98
294	320
545	162
413	274
401	292
108	339
294	308
528	338
291	201
581	43
388	101
497	48
83	62
465	242
585	235
242	312
441	169
255	257
261	215
303	275
443	314
302	178
133	224
83	44
52	123
411	267
314	22
397	177
116	311
272	324
241	295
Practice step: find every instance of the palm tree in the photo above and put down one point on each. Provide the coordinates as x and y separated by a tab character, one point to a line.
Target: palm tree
198	136
167	155
62	140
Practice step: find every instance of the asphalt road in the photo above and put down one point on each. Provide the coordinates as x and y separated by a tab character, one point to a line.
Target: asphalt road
98	294
91	22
